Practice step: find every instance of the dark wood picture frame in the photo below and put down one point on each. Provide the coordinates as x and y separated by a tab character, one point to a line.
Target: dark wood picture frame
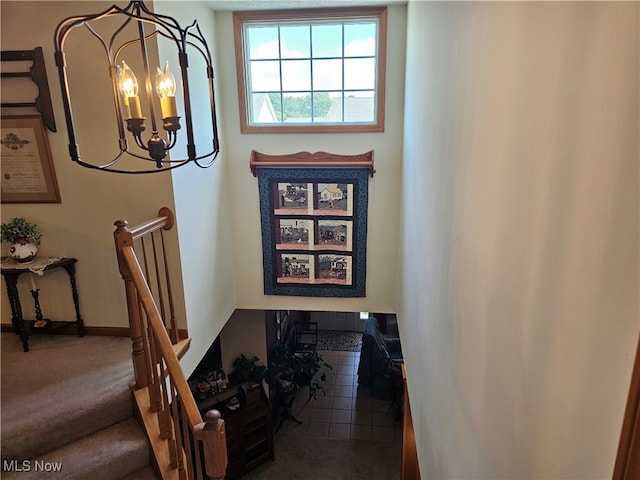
28	175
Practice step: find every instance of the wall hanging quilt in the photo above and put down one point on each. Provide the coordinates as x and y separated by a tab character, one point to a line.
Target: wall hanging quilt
313	210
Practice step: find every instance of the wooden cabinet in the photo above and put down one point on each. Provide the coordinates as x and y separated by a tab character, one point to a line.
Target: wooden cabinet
249	428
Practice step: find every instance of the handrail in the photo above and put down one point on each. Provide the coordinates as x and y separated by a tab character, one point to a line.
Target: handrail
180	432
162	338
164	220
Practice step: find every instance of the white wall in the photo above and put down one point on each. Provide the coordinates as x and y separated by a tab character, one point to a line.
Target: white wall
202	208
518	307
384	187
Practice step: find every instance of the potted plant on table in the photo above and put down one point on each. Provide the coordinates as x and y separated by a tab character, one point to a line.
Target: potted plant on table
248	370
23	237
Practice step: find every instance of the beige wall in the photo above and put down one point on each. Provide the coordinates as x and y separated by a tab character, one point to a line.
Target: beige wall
384	187
82	225
244	334
518	306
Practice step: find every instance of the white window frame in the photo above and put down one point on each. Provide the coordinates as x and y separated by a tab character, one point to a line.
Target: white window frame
283	17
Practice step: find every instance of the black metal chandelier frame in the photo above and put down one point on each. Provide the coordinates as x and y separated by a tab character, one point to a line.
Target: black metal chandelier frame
156	146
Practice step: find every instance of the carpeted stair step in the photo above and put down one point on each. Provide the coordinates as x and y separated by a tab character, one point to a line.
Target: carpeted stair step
67	402
64	389
112	453
146	473
36	434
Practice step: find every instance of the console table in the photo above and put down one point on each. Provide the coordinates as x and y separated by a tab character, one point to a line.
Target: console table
26	327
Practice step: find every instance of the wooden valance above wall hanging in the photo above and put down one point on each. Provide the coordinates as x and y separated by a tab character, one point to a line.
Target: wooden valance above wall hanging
313	210
311	160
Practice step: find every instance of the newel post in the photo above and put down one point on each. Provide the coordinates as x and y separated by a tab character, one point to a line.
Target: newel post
123	238
215	445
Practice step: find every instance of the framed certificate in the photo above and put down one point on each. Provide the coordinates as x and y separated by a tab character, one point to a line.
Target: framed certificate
26	165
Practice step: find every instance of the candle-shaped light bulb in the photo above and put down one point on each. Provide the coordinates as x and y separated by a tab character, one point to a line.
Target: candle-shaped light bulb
166	90
165	82
127	81
128	86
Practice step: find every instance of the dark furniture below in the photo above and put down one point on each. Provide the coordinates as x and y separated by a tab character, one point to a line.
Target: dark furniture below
283	394
26	328
380	362
249	429
306	337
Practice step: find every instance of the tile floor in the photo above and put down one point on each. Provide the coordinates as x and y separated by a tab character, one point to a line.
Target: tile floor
347	411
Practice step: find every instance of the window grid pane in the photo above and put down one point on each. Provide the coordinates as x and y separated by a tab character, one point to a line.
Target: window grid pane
322	72
295	41
265	75
326	41
312	75
296	75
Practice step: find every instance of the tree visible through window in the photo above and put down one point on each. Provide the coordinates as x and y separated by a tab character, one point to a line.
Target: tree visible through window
311	70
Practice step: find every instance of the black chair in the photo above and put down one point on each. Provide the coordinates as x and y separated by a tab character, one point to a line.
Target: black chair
306	340
380	361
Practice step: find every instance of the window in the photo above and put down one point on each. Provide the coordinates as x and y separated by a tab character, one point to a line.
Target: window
318	70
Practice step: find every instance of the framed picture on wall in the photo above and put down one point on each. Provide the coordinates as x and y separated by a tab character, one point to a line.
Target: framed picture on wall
26	167
314	227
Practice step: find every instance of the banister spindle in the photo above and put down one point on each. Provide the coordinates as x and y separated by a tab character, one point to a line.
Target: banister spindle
158	281
172	321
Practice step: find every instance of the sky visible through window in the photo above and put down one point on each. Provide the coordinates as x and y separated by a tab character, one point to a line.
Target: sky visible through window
323	65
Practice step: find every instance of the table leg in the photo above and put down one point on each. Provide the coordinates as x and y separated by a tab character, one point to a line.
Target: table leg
25	331
14	301
71	270
36	303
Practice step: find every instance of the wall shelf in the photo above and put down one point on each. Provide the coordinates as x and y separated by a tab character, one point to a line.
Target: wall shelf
37	73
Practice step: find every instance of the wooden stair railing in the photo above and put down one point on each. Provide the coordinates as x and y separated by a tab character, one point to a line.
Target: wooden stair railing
181	440
627	466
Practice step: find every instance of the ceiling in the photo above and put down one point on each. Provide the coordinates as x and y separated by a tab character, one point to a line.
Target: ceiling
233	5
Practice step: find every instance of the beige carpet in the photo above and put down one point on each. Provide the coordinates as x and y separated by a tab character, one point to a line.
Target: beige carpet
66	399
41	386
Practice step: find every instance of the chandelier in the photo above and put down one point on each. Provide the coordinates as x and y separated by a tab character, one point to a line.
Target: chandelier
154	93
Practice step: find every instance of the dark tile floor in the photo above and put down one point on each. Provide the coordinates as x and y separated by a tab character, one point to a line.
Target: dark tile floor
345	434
346	410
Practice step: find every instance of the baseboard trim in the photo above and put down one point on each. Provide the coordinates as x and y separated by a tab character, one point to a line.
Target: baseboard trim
98	331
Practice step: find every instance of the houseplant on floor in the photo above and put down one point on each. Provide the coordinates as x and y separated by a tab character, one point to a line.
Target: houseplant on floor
301	367
23	237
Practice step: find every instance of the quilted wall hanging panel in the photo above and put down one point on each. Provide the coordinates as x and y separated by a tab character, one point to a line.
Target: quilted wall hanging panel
313	210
